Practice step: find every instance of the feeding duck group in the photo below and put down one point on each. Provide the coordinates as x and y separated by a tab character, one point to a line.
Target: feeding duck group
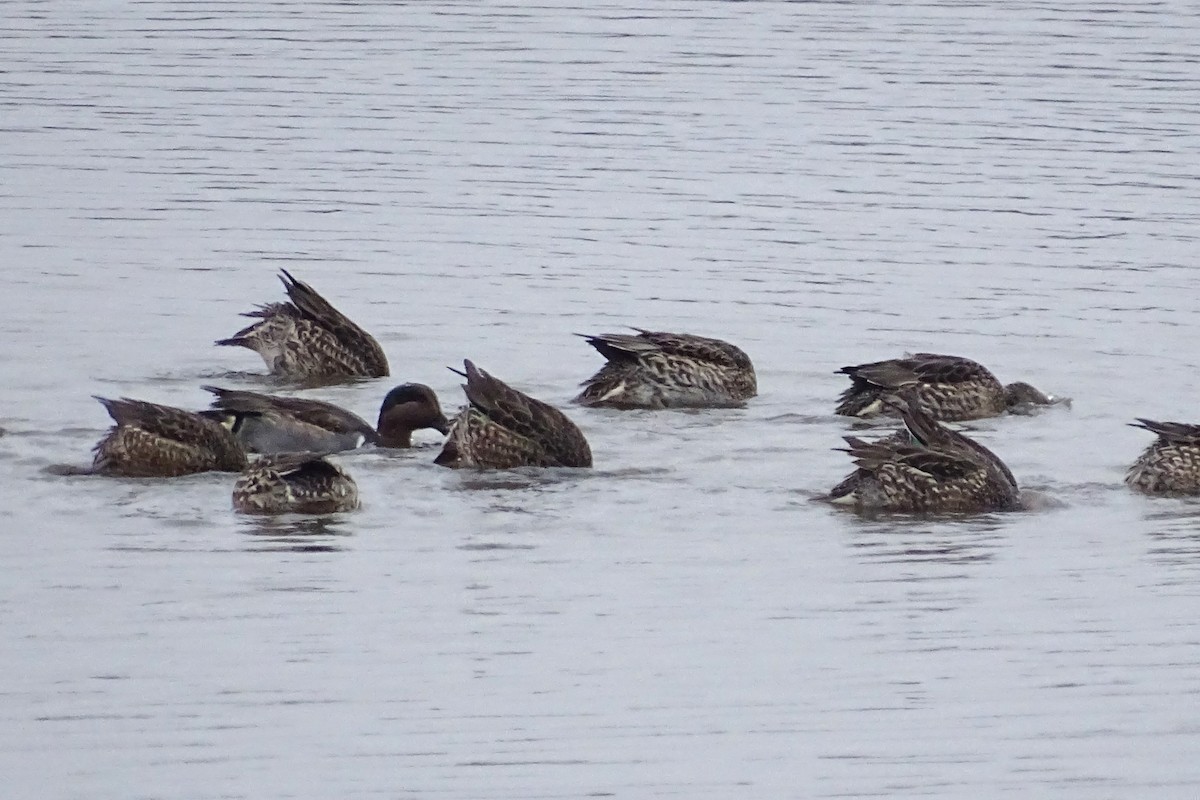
280	444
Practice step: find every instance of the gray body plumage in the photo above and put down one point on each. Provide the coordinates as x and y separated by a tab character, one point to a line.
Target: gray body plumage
271	424
275	424
1171	464
656	369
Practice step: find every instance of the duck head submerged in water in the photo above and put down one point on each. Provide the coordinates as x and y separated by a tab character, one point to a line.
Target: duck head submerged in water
307	339
655	369
948	388
503	428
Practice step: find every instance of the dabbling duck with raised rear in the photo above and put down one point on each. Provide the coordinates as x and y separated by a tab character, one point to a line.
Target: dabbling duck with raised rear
307	339
948	388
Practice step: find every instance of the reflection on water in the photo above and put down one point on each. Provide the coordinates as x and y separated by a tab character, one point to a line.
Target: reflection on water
317	534
1175	533
822	183
945	540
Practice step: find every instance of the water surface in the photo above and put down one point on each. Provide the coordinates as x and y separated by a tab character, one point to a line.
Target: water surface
820	183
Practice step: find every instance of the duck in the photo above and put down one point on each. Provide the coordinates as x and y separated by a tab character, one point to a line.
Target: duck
1171	464
925	467
307	339
656	370
299	483
267	424
950	388
503	428
156	441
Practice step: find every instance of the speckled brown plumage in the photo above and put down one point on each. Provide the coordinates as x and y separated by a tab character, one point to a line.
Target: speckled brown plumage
300	483
655	369
927	468
156	441
502	428
946	387
308	339
1171	464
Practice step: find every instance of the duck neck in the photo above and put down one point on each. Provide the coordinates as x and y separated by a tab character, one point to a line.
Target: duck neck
394	435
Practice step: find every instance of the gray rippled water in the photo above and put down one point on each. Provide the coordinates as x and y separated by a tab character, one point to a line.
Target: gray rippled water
820	183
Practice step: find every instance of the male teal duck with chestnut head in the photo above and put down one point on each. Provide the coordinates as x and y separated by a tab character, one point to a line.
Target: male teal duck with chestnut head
266	423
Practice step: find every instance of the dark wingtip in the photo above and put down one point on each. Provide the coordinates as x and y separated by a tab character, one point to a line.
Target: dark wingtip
473	373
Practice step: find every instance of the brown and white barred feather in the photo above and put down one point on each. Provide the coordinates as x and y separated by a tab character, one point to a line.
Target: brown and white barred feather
502	428
152	440
300	483
657	369
1171	464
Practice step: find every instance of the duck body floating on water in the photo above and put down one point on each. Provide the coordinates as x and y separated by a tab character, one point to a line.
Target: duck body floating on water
503	428
948	388
307	339
1171	463
156	441
656	369
300	483
925	468
266	423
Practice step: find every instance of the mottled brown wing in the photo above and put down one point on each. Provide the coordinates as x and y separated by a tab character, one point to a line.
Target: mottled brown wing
890	374
351	336
1175	432
932	434
169	422
624	346
935	368
527	417
264	315
700	348
155	440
